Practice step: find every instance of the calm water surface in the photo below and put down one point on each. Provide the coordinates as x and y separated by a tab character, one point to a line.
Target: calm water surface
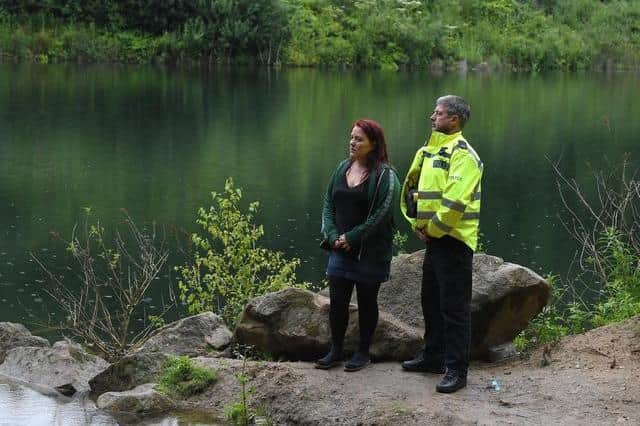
156	142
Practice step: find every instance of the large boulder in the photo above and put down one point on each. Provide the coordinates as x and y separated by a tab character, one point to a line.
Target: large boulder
65	366
13	335
197	335
142	400
505	298
294	324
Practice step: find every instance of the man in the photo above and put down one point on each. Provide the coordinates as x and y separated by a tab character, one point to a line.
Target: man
441	201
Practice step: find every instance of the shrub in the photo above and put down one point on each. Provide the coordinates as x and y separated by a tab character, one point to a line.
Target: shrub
114	275
229	267
549	326
621	292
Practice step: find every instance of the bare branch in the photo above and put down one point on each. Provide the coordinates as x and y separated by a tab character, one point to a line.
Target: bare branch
113	282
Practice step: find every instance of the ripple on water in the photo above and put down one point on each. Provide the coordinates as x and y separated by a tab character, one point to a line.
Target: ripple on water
23	406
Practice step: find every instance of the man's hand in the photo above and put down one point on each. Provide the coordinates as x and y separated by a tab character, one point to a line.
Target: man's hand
342	243
422	235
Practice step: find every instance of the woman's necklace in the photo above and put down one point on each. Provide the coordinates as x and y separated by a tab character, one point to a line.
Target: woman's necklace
356	177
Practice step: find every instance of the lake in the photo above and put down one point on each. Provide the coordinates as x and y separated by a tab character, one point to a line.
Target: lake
157	141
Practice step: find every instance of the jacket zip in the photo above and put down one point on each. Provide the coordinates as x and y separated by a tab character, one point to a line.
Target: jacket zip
373	201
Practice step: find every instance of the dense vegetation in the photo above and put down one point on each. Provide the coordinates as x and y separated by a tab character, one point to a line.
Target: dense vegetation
516	34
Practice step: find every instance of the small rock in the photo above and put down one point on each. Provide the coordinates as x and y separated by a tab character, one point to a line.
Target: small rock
193	336
143	399
67	389
14	335
65	363
130	371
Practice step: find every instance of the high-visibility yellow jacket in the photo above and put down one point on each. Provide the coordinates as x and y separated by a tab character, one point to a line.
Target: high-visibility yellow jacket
446	172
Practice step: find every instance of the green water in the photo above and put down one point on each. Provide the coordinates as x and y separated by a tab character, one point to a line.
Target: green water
156	142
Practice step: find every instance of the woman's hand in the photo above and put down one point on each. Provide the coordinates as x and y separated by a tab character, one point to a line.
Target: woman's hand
342	243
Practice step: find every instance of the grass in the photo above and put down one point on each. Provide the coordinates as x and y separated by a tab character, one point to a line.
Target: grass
181	377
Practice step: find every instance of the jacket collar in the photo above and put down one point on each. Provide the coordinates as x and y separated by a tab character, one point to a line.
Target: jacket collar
438	139
373	175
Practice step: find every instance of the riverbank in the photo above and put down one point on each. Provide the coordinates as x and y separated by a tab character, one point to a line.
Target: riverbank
588	378
389	34
196	365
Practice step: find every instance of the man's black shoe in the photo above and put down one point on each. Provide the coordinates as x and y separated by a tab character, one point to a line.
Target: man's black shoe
358	361
333	358
420	364
452	381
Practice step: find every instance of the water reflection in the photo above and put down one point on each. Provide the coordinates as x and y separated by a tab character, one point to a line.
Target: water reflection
23	406
156	141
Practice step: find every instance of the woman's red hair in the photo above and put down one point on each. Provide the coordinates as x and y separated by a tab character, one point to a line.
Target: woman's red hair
376	135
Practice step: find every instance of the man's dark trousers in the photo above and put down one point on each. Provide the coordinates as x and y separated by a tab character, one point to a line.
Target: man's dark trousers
446	299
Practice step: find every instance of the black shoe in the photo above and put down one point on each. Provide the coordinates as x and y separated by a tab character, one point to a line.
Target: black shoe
452	381
358	361
333	358
420	364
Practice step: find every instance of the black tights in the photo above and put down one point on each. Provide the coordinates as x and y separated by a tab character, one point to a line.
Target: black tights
340	294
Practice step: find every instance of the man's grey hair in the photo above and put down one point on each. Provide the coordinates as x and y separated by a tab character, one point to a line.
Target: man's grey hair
455	105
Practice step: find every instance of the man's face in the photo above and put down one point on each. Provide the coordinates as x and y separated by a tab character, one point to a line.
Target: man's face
443	122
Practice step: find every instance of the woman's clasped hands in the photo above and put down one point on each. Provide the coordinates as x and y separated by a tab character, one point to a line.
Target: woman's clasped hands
341	243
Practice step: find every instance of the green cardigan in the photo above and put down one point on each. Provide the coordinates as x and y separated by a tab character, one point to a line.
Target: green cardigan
373	239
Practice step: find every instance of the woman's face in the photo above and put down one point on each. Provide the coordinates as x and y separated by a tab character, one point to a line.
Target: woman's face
359	145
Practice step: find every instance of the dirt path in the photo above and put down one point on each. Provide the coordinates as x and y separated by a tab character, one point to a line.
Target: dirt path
591	379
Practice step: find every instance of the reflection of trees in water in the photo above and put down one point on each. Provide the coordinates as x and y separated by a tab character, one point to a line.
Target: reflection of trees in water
156	141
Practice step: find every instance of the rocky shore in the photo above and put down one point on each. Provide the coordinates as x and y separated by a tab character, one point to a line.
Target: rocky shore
590	378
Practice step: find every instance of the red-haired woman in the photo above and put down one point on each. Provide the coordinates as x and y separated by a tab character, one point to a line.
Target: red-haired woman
357	222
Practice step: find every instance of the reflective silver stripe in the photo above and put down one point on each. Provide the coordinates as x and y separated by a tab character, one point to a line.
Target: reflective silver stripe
439	224
429	195
425	215
474	155
462	144
459	207
476	196
470	216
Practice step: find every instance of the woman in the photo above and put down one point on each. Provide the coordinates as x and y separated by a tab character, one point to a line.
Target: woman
357	222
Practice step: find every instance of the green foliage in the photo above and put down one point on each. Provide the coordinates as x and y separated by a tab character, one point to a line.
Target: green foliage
549	326
241	413
229	267
399	242
521	35
181	377
621	293
156	321
619	299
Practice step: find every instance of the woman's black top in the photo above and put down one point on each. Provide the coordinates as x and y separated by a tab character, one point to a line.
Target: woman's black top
352	209
351	204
